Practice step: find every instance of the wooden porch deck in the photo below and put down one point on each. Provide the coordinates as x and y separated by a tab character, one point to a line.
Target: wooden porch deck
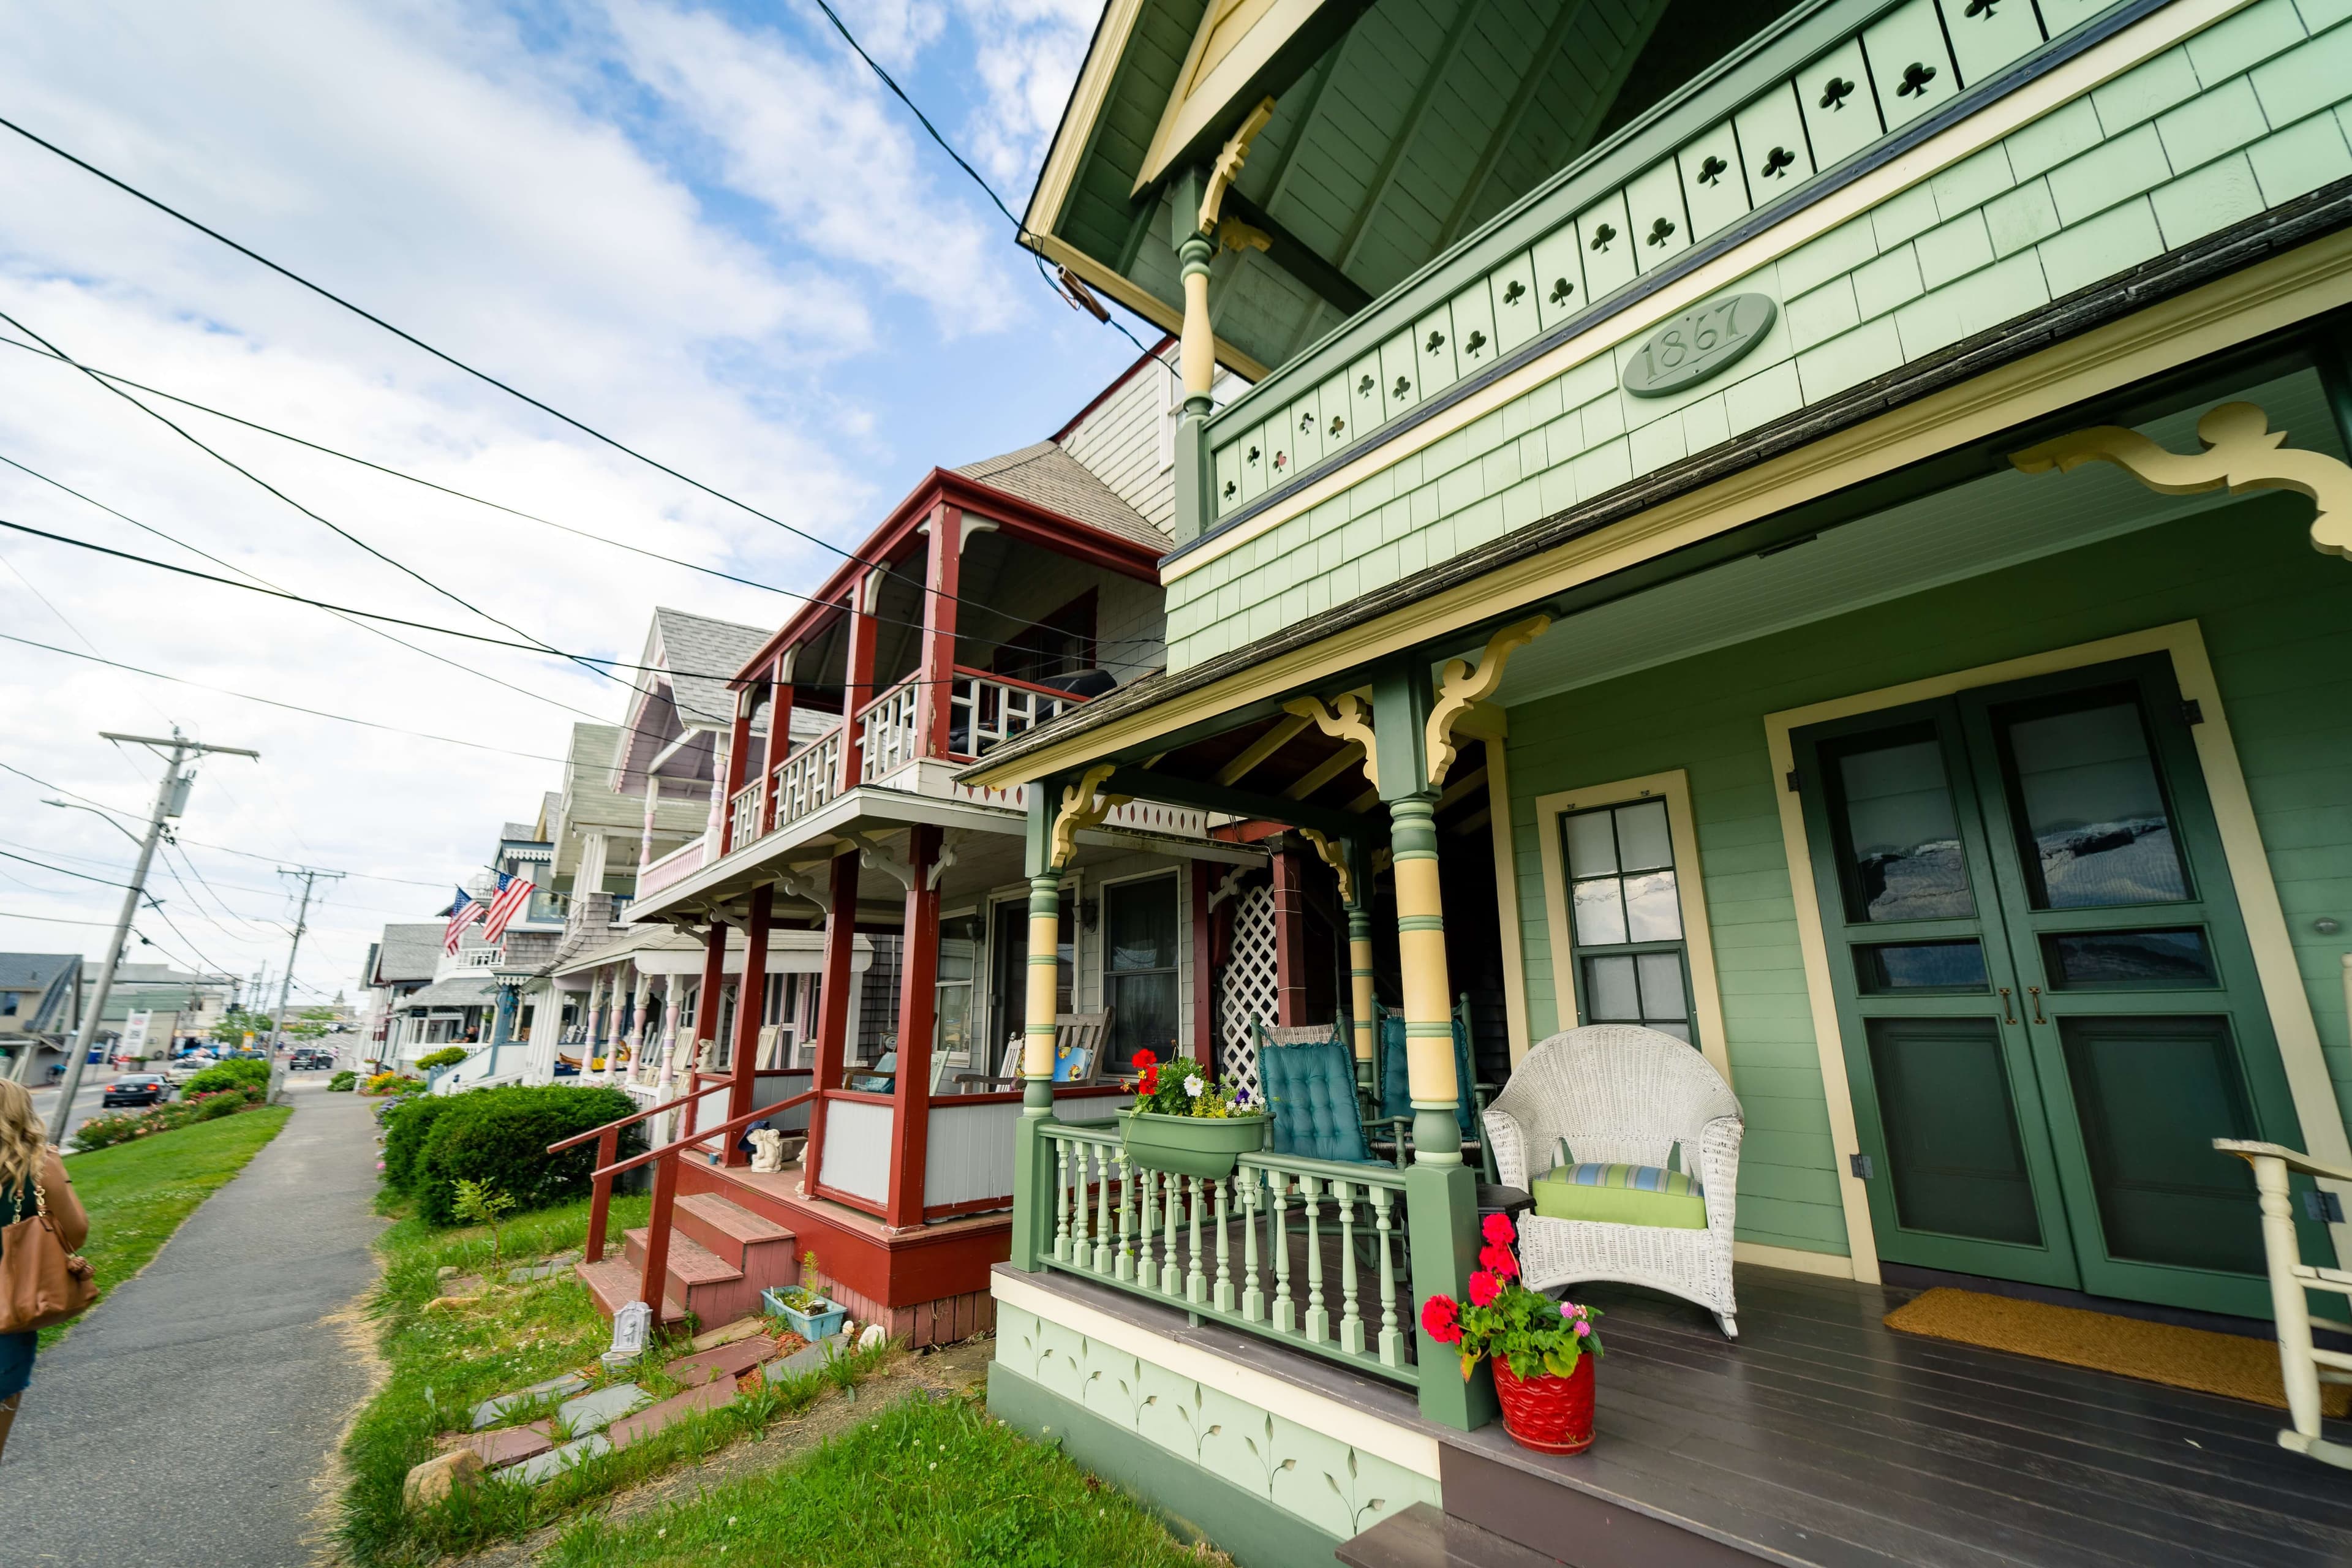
1822	1439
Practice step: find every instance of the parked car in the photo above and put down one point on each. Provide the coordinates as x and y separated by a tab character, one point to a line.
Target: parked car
137	1089
306	1059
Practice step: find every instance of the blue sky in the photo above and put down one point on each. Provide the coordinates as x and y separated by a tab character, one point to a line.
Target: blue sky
705	229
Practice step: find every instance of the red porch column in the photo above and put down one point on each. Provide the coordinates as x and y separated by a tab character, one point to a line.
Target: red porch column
1204	966
857	679
706	999
941	581
751	1005
1290	936
832	1006
738	753
910	1092
780	734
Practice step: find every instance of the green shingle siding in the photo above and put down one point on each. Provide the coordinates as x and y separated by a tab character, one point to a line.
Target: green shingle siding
2154	159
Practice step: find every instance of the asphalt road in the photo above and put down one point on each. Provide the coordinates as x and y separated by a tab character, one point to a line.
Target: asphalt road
86	1096
188	1417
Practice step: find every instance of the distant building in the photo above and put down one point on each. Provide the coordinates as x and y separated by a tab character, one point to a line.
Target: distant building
40	1006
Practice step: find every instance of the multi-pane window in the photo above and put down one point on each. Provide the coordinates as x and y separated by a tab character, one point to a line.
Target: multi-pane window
959	959
1626	918
1139	969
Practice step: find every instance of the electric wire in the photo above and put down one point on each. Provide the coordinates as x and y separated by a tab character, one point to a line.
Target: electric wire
61	871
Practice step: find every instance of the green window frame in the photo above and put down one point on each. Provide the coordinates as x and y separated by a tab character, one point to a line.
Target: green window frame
1627	934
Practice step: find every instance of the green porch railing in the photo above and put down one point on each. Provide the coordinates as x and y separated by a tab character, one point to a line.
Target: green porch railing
1249	1251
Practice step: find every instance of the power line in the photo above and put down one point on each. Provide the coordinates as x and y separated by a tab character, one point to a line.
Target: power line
52	919
61	871
274	702
486	377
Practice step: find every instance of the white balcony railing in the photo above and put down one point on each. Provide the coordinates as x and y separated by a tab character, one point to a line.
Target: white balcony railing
986	710
743	816
808	778
890	731
674	866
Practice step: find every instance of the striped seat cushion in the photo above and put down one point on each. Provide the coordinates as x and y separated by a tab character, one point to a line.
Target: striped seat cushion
1621	1195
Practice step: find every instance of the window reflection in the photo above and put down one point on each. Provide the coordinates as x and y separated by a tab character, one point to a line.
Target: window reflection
2089	806
1901	837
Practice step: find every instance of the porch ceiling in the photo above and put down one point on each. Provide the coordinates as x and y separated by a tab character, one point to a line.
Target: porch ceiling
1423	120
1982	526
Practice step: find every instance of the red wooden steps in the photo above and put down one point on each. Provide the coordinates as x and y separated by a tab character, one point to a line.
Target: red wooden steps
612	1284
721	1256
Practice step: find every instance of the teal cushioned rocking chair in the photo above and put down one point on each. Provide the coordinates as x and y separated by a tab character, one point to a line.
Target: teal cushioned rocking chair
1396	1096
1309	1085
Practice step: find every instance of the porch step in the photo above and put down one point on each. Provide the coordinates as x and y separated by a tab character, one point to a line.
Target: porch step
736	1235
614	1285
1423	1536
715	1291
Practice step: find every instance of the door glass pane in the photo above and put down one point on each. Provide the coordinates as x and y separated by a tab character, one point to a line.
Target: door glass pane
1610	993
1892	967
2127	960
1653	913
1139	924
2152	1094
1592	846
1600	912
2088	804
1642	842
1144	1019
1662	985
1901	839
1952	1146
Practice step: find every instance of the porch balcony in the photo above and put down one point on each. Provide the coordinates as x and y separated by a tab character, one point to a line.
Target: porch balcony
1819	1438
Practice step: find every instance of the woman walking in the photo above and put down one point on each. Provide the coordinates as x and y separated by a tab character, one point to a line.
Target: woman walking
25	1158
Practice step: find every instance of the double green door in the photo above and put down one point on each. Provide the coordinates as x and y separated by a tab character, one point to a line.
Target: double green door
2047	1000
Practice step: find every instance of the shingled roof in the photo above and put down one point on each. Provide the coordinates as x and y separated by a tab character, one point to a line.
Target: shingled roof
408	953
702	654
1044	475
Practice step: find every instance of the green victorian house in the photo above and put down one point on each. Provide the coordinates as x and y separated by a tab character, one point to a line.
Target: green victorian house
1815	528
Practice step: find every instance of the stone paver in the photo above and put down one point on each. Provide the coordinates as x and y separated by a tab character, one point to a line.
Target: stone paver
723	1360
811	1358
716	1394
490	1412
545	1467
594	1412
512	1445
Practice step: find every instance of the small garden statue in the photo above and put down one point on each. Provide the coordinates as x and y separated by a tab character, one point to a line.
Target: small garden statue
767	1149
631	1325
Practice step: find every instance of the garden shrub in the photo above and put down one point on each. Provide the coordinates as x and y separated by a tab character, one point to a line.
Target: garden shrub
99	1131
407	1124
500	1136
446	1057
342	1083
225	1075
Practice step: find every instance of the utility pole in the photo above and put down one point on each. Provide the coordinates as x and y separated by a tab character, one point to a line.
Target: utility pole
301	923
170	801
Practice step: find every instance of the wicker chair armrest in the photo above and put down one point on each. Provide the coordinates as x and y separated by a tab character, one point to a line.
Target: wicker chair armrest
1719	1166
1508	1140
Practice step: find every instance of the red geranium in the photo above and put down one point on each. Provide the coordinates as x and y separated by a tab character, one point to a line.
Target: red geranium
1499	1260
1442	1319
1148	1066
1484	1289
1497	1229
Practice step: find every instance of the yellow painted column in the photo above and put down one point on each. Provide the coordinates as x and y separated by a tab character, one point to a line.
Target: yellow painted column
1359	976
1044	993
1197	347
1428	996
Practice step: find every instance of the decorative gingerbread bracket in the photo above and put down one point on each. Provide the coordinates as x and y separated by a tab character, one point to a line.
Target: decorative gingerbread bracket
1349	718
2242	453
1084	806
874	853
1461	688
1336	857
1228	166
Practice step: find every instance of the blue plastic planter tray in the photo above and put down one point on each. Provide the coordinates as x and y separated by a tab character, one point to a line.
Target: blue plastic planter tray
810	1326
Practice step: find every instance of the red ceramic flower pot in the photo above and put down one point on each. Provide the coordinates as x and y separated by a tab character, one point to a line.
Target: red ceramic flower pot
1550	1414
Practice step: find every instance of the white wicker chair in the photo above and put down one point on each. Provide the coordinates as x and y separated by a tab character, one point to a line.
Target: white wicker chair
1625	1095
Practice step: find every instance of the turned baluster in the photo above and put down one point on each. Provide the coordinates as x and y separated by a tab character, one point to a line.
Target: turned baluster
1125	1268
1171	1272
1223	1297
1061	1202
1319	1320
1102	1209
1277	1234
1391	1342
1252	1295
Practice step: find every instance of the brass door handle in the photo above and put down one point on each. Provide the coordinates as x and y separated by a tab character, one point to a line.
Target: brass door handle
2008	1014
2035	991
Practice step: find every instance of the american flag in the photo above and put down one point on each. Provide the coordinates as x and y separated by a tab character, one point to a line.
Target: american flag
513	894
466	914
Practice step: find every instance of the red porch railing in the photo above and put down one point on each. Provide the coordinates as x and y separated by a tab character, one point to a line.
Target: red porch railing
665	1163
608	1148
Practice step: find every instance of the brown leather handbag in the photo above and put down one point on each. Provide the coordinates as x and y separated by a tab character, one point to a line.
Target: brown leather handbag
41	1282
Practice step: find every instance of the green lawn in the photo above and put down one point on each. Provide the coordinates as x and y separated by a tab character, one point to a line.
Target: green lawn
139	1192
924	1485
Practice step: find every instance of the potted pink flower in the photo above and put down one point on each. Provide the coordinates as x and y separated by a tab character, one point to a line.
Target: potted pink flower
1543	1350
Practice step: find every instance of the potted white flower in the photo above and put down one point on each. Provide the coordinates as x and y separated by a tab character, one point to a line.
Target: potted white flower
1188	1123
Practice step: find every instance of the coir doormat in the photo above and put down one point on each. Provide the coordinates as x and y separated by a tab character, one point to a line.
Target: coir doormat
2227	1364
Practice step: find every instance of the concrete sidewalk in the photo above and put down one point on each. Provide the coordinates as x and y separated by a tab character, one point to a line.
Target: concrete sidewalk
186	1419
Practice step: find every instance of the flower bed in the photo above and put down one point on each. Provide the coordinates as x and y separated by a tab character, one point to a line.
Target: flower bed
99	1131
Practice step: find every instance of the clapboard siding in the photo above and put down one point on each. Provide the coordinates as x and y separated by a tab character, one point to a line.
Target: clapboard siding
2278	618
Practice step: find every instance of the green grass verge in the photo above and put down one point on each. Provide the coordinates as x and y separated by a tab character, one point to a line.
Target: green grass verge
444	1363
925	1484
139	1192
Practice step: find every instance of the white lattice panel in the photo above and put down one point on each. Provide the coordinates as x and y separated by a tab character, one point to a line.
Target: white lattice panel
1250	985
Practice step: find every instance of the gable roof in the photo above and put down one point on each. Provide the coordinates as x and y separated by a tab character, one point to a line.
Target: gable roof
34	971
1044	475
408	953
701	655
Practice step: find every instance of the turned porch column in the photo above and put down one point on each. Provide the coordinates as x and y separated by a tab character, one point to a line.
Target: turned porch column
833	1007
1290	957
738	756
941	581
750	1006
910	1092
638	1032
857	679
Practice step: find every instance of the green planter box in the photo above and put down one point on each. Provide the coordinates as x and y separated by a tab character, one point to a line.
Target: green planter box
1191	1145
